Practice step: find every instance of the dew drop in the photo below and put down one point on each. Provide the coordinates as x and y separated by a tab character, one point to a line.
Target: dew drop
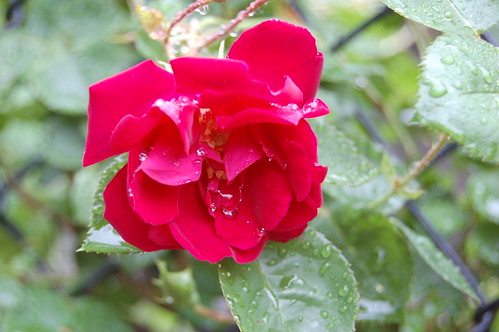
300	319
307	245
229	214
330	295
203	10
448	14
324	268
142	156
343	291
343	309
282	252
271	262
169	300
311	233
324	314
326	251
448	60
330	326
437	89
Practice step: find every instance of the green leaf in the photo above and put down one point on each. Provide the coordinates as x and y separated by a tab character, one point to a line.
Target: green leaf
31	309
449	15
443	266
297	286
347	166
483	242
63	144
459	94
101	236
374	247
483	189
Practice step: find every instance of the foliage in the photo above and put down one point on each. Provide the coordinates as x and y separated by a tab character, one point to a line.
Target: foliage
392	90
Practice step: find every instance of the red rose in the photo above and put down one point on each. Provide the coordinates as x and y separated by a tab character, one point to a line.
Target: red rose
220	159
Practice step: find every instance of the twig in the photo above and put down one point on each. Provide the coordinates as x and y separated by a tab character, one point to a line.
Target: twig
344	40
242	15
421	165
106	269
178	18
446	248
489	38
15	14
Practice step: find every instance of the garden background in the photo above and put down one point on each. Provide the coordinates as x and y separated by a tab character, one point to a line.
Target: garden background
378	203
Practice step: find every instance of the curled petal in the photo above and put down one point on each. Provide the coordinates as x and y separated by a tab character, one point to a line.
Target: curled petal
120	215
194	228
156	203
254	115
131	92
226	77
287	236
268	192
300	213
246	256
276	49
167	162
132	129
240	152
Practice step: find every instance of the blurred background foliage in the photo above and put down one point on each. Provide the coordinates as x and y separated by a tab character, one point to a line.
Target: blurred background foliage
52	50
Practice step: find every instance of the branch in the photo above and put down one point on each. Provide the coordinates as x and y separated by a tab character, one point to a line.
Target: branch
241	16
346	39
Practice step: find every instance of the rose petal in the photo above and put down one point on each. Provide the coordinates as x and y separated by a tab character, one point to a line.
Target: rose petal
225	76
299	214
287	236
132	129
246	256
163	236
121	216
130	92
268	192
194	228
156	203
314	108
297	170
276	49
168	163
254	115
240	152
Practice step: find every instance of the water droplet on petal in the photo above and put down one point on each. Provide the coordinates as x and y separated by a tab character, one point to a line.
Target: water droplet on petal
142	156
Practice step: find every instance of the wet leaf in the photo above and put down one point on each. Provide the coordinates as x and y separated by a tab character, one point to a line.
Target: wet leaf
442	265
449	15
459	93
297	286
347	166
483	189
101	236
374	246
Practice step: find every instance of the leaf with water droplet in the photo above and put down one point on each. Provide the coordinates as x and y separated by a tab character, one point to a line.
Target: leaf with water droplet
449	15
460	97
290	292
374	246
101	236
436	259
483	189
347	166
